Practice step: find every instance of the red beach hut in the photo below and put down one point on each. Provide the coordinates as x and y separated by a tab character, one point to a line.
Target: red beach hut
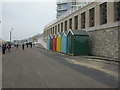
54	43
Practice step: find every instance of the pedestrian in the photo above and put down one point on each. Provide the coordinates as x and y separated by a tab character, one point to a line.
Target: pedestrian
9	47
27	45
17	46
31	44
23	46
3	48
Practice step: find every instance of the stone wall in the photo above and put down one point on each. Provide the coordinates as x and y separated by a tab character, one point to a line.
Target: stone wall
104	42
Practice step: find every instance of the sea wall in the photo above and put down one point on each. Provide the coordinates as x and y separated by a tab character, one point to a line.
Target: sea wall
104	42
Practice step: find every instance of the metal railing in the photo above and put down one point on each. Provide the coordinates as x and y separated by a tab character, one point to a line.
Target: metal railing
61	1
61	9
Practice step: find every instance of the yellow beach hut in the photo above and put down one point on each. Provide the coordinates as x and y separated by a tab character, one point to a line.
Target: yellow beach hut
58	48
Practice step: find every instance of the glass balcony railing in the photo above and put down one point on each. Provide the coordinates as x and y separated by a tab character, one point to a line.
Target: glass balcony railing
61	9
61	1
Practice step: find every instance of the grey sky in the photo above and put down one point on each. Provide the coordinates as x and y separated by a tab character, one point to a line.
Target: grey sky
26	18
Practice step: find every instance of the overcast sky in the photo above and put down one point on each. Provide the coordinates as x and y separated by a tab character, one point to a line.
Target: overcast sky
26	18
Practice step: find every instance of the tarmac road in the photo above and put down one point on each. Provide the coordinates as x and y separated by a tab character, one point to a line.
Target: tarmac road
40	68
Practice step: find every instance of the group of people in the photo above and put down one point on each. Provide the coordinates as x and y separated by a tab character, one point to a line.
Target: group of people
6	47
27	45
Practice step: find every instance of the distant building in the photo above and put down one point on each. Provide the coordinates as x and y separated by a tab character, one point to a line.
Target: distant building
65	5
2	41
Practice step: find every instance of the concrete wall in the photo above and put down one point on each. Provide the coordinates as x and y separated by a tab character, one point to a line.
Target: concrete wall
103	38
104	42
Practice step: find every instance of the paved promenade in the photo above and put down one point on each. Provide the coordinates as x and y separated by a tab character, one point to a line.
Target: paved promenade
40	68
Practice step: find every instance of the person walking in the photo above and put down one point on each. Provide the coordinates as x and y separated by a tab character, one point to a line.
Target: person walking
17	46
9	47
23	46
3	48
31	44
27	45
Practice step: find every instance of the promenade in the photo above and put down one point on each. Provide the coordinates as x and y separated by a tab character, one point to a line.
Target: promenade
40	68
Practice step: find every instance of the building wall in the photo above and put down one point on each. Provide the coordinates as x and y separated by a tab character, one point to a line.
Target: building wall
68	5
104	42
63	7
103	38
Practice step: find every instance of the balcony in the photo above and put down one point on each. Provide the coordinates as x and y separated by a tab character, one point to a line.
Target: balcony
61	2
61	9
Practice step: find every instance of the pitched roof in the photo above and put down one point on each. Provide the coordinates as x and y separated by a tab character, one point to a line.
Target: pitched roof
78	32
65	33
59	33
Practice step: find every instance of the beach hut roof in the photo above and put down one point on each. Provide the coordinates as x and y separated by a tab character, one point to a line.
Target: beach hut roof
59	34
78	32
54	35
50	35
65	33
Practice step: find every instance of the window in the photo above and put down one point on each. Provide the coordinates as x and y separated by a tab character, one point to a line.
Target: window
62	27
103	13
70	23
117	11
58	27
66	25
51	31
92	17
47	32
83	20
55	29
76	22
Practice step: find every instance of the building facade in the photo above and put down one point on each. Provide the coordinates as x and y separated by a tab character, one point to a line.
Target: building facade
100	19
63	6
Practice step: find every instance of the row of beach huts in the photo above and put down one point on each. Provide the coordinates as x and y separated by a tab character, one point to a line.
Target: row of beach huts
72	42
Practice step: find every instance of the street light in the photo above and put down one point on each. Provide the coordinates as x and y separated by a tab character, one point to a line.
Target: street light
11	34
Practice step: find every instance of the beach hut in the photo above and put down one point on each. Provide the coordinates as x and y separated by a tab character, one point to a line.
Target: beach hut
49	42
78	42
64	43
58	43
54	43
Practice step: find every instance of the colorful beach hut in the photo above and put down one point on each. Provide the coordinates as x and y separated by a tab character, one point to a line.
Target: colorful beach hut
49	43
58	48
54	43
64	46
78	42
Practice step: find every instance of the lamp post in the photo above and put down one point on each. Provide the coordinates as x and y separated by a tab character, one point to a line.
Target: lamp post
11	34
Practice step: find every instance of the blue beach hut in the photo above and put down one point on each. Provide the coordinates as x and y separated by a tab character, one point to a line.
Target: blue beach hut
64	43
49	43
